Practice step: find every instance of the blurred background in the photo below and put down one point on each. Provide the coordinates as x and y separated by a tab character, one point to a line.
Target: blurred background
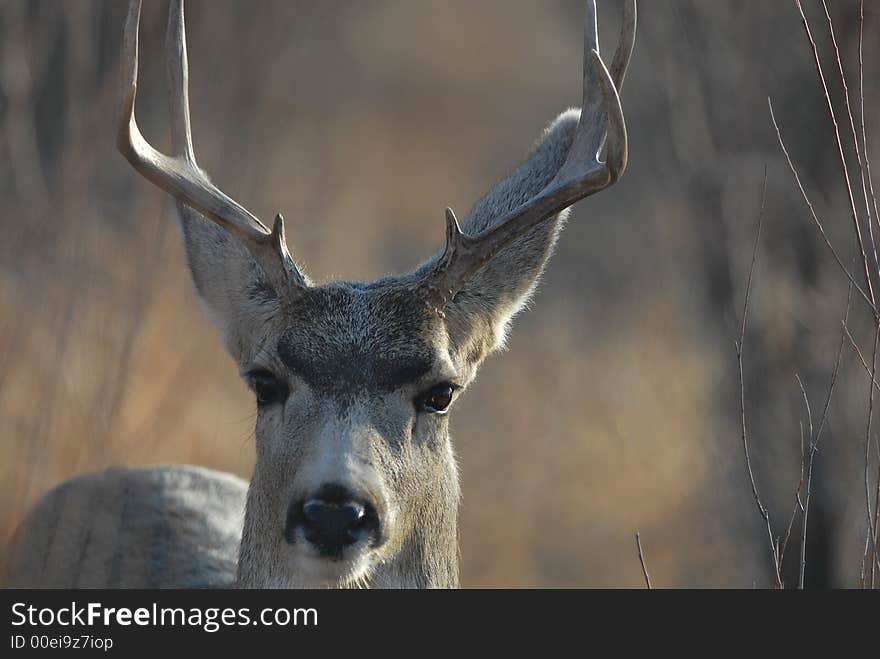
615	408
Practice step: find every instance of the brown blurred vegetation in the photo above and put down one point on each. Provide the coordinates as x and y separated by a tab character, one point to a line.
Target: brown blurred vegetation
615	407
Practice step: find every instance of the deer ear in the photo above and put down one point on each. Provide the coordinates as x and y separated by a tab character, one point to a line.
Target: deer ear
234	290
479	315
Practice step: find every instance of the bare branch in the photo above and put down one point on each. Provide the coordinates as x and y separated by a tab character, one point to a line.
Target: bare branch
852	126
870	543
642	561
855	216
875	561
857	350
814	441
797	504
815	217
765	515
862	113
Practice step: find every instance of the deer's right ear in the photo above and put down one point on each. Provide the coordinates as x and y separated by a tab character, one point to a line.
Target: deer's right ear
241	269
236	294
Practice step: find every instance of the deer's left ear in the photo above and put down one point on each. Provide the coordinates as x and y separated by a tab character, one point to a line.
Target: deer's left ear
479	315
490	266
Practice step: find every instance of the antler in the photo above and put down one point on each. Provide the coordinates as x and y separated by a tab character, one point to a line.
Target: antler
601	125
179	175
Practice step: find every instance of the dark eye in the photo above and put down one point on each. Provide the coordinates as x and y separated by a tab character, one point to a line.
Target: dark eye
437	399
268	388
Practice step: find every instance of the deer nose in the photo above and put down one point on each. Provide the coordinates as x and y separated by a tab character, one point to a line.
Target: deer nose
329	518
332	521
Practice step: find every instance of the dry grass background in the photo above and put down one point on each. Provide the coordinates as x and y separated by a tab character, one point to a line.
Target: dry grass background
615	407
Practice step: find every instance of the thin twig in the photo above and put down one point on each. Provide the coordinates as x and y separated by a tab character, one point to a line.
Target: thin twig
836	370
765	515
852	204
855	347
642	561
742	331
875	561
815	217
870	530
862	113
852	126
876	558
867	475
814	442
797	503
867	183
806	402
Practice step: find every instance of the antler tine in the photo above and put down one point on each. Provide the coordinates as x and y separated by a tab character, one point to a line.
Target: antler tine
591	125
625	44
601	113
177	72
616	145
180	176
617	153
582	174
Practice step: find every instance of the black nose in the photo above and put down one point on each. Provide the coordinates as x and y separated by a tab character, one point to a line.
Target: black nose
331	521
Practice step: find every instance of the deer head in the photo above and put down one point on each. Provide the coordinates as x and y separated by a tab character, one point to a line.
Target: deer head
355	479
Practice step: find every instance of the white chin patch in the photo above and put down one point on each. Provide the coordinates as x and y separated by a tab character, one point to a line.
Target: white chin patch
314	571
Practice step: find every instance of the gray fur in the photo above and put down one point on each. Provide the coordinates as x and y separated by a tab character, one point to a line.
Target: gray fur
158	527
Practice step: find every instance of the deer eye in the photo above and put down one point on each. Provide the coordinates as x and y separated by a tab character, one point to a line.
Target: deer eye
437	399
267	388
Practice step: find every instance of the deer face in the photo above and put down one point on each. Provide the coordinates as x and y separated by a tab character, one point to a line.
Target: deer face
353	392
355	480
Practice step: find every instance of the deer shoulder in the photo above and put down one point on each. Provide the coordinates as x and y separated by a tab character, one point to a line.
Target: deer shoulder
156	527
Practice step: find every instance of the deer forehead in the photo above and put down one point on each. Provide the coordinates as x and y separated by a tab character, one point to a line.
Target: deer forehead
348	338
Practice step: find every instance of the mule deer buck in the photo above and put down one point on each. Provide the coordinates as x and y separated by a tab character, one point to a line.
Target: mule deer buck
355	482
